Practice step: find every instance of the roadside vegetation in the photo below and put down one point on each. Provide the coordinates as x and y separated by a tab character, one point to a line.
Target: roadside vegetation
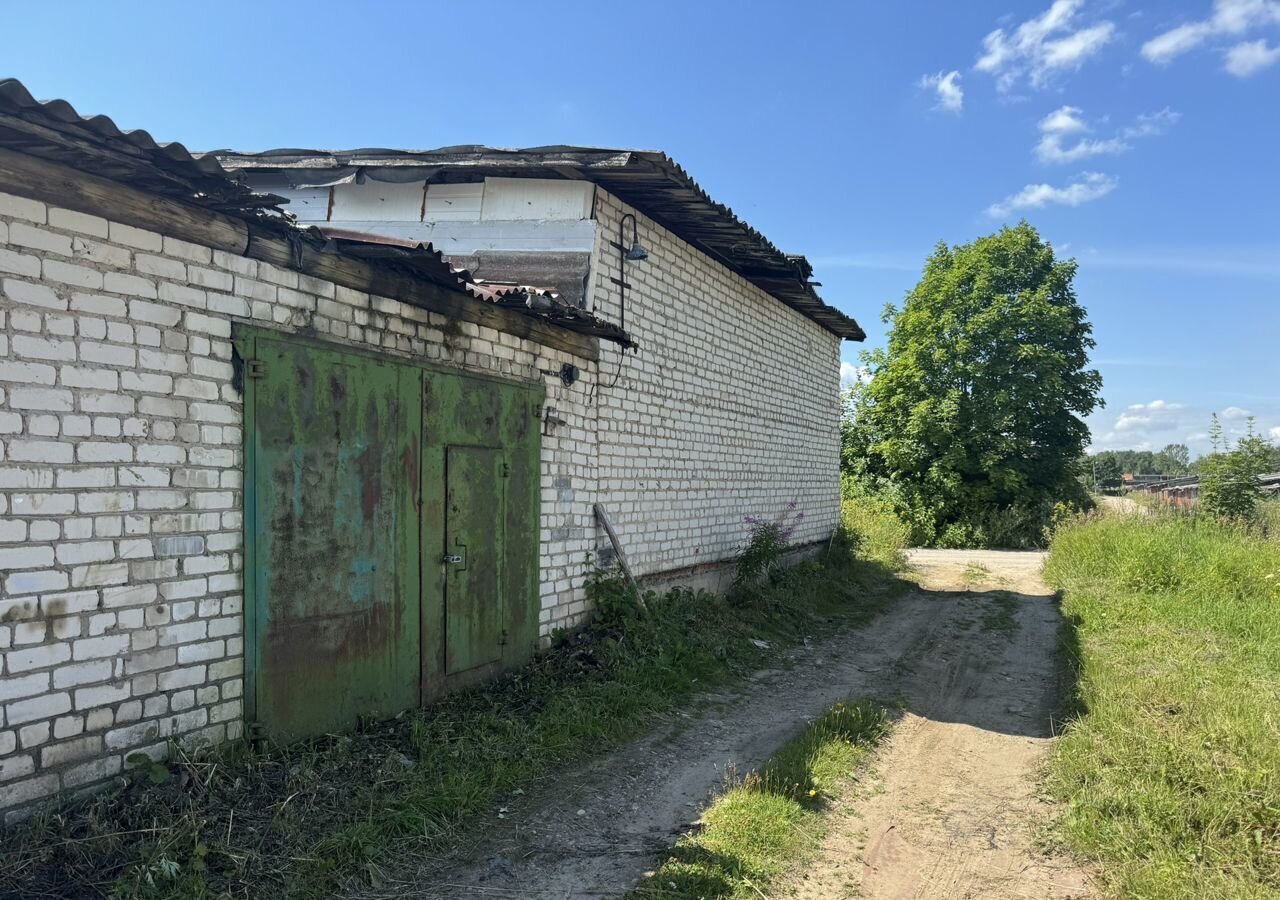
763	824
1170	775
971	421
301	821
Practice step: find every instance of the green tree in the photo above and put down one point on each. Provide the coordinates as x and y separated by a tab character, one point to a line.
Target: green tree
1107	471
973	414
1174	459
1229	484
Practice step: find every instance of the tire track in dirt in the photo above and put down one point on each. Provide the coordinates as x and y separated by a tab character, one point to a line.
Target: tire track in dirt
595	831
950	807
953	805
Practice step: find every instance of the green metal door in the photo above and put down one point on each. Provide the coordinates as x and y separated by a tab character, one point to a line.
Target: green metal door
481	445
475	538
333	502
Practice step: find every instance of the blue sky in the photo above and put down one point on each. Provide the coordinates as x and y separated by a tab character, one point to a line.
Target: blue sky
1143	138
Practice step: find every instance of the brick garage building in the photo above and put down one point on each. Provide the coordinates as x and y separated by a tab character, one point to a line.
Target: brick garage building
248	463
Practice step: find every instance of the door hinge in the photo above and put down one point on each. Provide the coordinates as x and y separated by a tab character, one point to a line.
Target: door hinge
502	641
506	470
254	368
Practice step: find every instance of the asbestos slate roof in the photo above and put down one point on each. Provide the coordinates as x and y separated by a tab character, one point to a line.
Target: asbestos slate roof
648	180
54	130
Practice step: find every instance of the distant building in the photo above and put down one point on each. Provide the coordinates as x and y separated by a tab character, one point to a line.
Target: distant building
1133	480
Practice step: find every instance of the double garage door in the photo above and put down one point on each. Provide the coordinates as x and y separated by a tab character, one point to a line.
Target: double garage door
391	522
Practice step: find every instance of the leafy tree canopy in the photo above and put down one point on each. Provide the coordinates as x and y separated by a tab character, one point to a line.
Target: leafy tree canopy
972	418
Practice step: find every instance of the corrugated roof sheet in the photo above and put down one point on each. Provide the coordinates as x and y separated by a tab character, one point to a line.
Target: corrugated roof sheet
425	261
52	129
648	180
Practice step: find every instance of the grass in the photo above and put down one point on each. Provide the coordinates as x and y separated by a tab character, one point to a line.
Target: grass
878	535
1170	775
761	825
300	822
974	573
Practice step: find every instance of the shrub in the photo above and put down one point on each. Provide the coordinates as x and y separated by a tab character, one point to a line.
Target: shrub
877	533
767	543
1229	486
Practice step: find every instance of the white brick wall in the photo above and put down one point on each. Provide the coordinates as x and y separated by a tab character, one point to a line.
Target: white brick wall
120	480
730	409
120	459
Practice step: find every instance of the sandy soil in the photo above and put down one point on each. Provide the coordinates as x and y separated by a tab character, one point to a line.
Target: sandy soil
950	807
956	808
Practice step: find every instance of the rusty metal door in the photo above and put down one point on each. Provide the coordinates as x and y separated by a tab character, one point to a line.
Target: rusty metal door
333	506
481	445
474	555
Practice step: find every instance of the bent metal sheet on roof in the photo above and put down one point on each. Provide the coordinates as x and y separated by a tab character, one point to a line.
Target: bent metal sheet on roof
426	260
54	131
648	180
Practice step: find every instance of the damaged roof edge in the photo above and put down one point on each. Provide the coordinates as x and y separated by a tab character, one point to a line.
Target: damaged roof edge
52	130
649	180
425	260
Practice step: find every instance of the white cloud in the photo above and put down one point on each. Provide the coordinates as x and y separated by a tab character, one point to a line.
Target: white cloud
1165	47
947	88
1150	426
1230	18
1071	51
1158	415
1158	406
851	375
1042	47
1069	120
1090	186
1275	433
1064	120
1250	57
1129	422
1152	124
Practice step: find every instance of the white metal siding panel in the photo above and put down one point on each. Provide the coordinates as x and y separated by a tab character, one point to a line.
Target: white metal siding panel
378	201
308	204
466	237
512	199
454	202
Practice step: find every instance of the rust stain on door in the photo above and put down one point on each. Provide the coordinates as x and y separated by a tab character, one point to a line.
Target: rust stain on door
336	533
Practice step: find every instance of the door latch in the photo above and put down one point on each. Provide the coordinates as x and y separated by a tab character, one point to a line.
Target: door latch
451	558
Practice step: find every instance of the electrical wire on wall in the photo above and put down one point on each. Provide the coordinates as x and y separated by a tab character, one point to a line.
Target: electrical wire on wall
633	253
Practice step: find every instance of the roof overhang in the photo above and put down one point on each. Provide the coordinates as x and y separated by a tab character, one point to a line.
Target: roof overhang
648	180
53	131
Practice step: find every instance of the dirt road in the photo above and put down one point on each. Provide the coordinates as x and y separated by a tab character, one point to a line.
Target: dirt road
975	670
950	807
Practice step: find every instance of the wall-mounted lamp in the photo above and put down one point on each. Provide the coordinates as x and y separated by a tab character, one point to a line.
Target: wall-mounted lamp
634	252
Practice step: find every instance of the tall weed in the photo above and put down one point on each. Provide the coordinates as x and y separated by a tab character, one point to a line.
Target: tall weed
1170	778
